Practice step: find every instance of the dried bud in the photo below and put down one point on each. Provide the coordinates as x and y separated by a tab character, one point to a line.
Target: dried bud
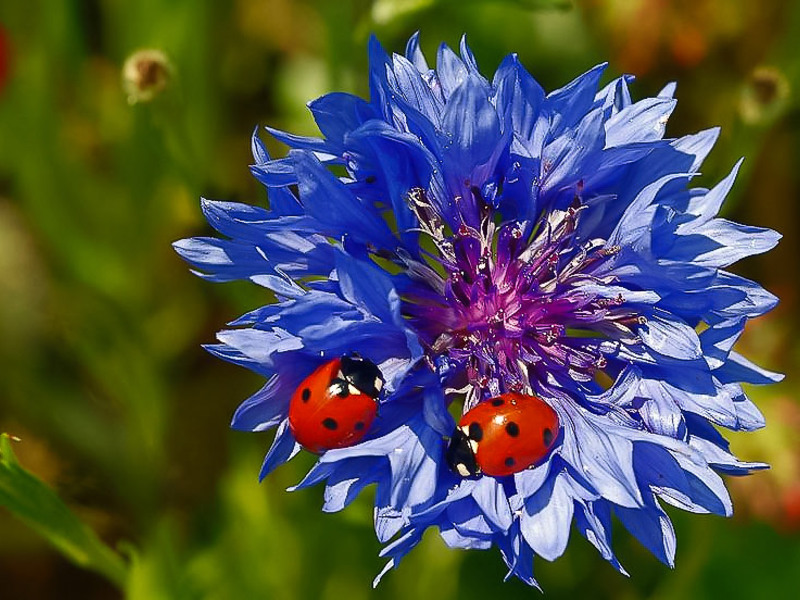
764	96
145	74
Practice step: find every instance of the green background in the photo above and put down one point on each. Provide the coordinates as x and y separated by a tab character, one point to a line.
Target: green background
122	413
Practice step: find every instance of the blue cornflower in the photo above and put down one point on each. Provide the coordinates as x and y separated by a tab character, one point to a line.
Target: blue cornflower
487	238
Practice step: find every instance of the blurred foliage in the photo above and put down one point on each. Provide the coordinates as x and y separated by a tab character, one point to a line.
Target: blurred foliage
35	504
103	378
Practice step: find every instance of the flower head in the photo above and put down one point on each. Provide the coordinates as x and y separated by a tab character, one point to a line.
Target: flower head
490	239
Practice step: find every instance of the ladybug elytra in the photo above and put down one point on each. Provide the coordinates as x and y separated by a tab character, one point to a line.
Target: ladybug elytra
335	405
502	436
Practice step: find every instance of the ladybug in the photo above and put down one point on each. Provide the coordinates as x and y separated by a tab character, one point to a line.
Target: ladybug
502	436
335	405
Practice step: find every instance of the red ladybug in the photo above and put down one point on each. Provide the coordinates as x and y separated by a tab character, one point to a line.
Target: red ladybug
502	436
335	405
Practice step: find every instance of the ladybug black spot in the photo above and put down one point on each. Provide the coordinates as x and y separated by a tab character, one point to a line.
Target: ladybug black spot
305	395
330	424
370	179
498	402
475	432
512	429
359	425
547	436
510	461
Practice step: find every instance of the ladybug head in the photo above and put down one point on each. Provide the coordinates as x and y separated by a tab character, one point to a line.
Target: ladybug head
460	455
362	374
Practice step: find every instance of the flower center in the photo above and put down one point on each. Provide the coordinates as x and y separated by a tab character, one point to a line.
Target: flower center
512	306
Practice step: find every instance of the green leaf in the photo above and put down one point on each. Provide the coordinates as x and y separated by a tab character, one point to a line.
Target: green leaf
33	502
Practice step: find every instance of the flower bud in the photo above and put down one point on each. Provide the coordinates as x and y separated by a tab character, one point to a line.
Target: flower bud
145	74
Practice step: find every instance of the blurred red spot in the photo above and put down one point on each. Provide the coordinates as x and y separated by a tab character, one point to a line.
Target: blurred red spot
689	46
5	51
791	507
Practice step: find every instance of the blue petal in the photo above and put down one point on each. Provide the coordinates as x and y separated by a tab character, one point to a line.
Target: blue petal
636	223
414	452
738	368
231	355
416	91
451	70
472	123
660	412
564	107
275	173
283	448
652	527
644	121
518	556
337	114
547	517
321	149
347	481
719	243
706	487
593	520
415	55
668	91
327	200
605	459
490	496
267	407
659	470
260	346
670	336
519	94
718	341
367	287
708	205
697	146
615	96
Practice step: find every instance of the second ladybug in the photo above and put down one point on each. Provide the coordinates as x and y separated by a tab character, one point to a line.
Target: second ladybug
502	436
335	405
